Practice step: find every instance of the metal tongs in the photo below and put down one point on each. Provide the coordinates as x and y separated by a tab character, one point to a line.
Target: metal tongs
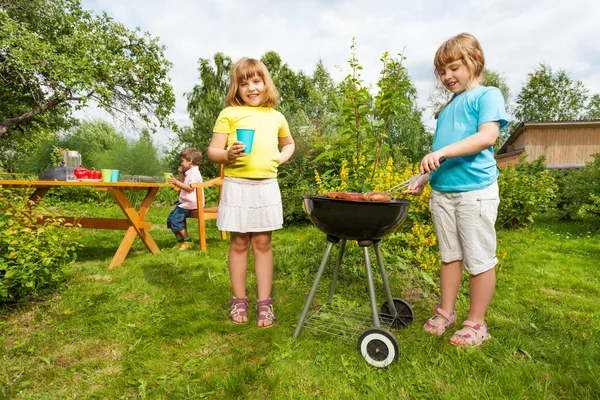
402	186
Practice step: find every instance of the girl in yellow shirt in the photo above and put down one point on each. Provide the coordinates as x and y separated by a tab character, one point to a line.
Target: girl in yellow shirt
250	206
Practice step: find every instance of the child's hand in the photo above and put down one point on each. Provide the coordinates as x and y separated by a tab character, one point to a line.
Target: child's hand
236	151
180	170
431	162
171	179
416	188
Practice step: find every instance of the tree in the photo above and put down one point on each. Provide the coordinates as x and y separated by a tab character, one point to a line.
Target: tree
550	96
205	102
301	102
138	157
408	137
102	146
56	57
310	104
593	107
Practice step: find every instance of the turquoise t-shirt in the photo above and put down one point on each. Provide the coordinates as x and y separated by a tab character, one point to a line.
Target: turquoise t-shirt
460	119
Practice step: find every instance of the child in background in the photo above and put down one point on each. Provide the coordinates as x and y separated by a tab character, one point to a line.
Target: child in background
188	173
464	199
250	206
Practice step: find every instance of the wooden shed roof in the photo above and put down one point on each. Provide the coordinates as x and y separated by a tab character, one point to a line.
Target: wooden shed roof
523	126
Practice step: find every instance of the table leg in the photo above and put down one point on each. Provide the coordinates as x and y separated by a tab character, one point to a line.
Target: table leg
124	247
136	219
38	194
143	212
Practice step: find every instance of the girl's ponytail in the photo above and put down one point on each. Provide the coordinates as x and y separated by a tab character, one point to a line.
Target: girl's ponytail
439	110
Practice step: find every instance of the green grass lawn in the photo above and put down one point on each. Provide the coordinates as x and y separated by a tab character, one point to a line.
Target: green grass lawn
157	326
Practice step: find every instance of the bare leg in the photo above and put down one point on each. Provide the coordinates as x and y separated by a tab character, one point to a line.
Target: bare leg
263	266
178	235
184	233
450	278
482	290
238	266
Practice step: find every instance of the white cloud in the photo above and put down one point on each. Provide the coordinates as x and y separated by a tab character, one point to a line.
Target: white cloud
515	35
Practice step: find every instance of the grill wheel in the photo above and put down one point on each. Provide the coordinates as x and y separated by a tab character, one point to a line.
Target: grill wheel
379	347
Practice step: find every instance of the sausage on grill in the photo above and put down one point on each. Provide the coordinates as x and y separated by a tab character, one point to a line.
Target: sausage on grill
377	196
345	195
369	196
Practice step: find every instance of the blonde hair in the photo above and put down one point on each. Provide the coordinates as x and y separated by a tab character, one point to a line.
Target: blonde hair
464	47
245	69
191	154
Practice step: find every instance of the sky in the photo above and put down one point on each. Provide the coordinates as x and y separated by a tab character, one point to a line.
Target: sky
516	36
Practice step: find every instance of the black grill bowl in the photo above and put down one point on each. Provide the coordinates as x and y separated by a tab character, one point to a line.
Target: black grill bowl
355	220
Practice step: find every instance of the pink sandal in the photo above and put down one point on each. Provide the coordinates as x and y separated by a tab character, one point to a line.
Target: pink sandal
264	310
238	308
472	334
440	324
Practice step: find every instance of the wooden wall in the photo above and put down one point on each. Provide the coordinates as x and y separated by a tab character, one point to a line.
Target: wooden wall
504	160
561	145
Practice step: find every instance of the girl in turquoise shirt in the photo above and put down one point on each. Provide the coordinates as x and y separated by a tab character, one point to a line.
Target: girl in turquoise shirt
464	198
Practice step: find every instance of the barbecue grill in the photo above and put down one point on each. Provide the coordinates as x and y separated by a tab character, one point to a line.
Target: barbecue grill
367	223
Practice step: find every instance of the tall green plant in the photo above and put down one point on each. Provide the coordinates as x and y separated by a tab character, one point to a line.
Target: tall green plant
364	124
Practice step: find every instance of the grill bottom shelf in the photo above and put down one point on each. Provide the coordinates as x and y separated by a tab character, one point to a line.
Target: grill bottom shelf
344	322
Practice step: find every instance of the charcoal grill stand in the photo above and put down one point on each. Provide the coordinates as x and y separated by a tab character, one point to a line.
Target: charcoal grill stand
377	345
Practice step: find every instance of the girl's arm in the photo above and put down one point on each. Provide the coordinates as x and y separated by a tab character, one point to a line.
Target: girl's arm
217	152
485	137
287	146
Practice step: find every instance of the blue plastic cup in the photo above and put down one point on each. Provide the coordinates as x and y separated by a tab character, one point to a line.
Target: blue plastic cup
246	136
114	176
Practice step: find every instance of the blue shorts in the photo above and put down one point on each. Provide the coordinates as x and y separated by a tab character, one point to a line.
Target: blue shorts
176	219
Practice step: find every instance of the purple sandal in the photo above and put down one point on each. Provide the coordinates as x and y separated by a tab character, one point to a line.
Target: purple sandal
238	308
264	311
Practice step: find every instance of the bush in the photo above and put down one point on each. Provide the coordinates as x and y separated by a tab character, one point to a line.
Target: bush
292	202
415	241
33	257
85	195
579	190
526	190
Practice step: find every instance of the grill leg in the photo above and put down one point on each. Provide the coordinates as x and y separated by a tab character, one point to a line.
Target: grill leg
386	285
336	270
371	286
313	290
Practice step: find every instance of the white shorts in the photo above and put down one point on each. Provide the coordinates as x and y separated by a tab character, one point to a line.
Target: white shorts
464	222
250	205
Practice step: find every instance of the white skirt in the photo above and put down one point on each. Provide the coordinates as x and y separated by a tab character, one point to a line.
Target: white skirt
250	205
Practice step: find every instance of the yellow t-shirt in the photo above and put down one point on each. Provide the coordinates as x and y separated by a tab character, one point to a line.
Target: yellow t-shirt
269	125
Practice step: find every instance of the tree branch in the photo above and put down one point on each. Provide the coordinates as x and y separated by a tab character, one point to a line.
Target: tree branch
28	116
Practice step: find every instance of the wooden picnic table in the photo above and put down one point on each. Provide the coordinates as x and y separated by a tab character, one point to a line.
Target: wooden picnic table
135	222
